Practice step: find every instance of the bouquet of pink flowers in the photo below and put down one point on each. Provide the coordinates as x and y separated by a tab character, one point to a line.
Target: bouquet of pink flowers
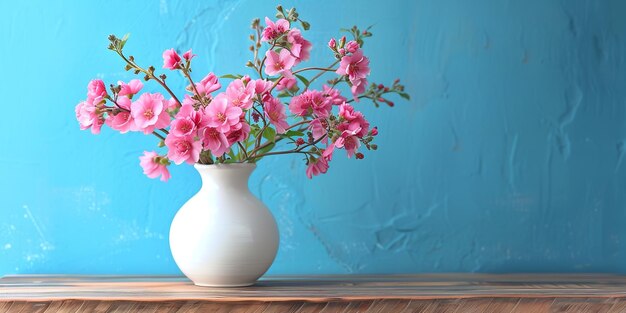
276	113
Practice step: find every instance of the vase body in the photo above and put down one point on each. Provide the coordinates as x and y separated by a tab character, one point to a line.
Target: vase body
224	236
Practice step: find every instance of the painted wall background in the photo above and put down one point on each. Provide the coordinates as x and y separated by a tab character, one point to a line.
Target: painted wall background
509	158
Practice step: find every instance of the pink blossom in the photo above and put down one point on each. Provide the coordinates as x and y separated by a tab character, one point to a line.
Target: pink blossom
277	63
240	94
300	47
352	46
123	120
152	167
310	101
316	167
96	89
318	128
275	112
188	55
261	86
130	89
149	112
222	114
171	59
183	149
349	142
240	134
187	111
287	82
328	153
358	87
333	95
207	85
355	123
87	116
182	127
274	30
215	141
355	66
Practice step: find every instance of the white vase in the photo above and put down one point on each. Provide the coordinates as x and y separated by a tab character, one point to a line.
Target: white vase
224	236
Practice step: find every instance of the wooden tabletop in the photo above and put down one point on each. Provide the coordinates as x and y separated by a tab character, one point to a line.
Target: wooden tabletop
336	293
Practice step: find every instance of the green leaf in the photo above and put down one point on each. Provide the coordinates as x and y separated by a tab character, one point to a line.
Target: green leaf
231	76
303	79
123	41
269	134
305	25
404	95
293	133
284	94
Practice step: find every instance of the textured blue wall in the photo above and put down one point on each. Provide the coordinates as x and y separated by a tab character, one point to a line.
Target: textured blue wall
510	157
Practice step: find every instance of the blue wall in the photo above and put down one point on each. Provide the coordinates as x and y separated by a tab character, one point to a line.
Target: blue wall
509	158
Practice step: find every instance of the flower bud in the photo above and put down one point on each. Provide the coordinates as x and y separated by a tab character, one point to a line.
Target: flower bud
342	42
374	131
300	141
332	44
352	46
374	147
342	51
359	156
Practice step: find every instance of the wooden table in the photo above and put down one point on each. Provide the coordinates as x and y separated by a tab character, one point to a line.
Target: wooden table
337	293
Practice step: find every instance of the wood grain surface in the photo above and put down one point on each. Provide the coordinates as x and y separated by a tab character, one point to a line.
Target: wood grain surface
337	293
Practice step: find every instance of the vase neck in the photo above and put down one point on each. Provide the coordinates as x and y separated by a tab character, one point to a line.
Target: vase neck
225	176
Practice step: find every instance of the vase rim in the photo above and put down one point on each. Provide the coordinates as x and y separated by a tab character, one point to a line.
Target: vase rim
224	166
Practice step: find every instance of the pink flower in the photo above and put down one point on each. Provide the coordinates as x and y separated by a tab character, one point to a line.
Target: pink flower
130	89
275	112
149	112
274	30
278	63
358	87
355	123
207	85
96	89
316	167
261	86
123	120
300	47
87	116
240	134
215	141
318	128
355	66
188	55
171	59
222	114
287	82
333	95
152	167
352	46
187	111
241	95
182	127
310	101
183	149
348	142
